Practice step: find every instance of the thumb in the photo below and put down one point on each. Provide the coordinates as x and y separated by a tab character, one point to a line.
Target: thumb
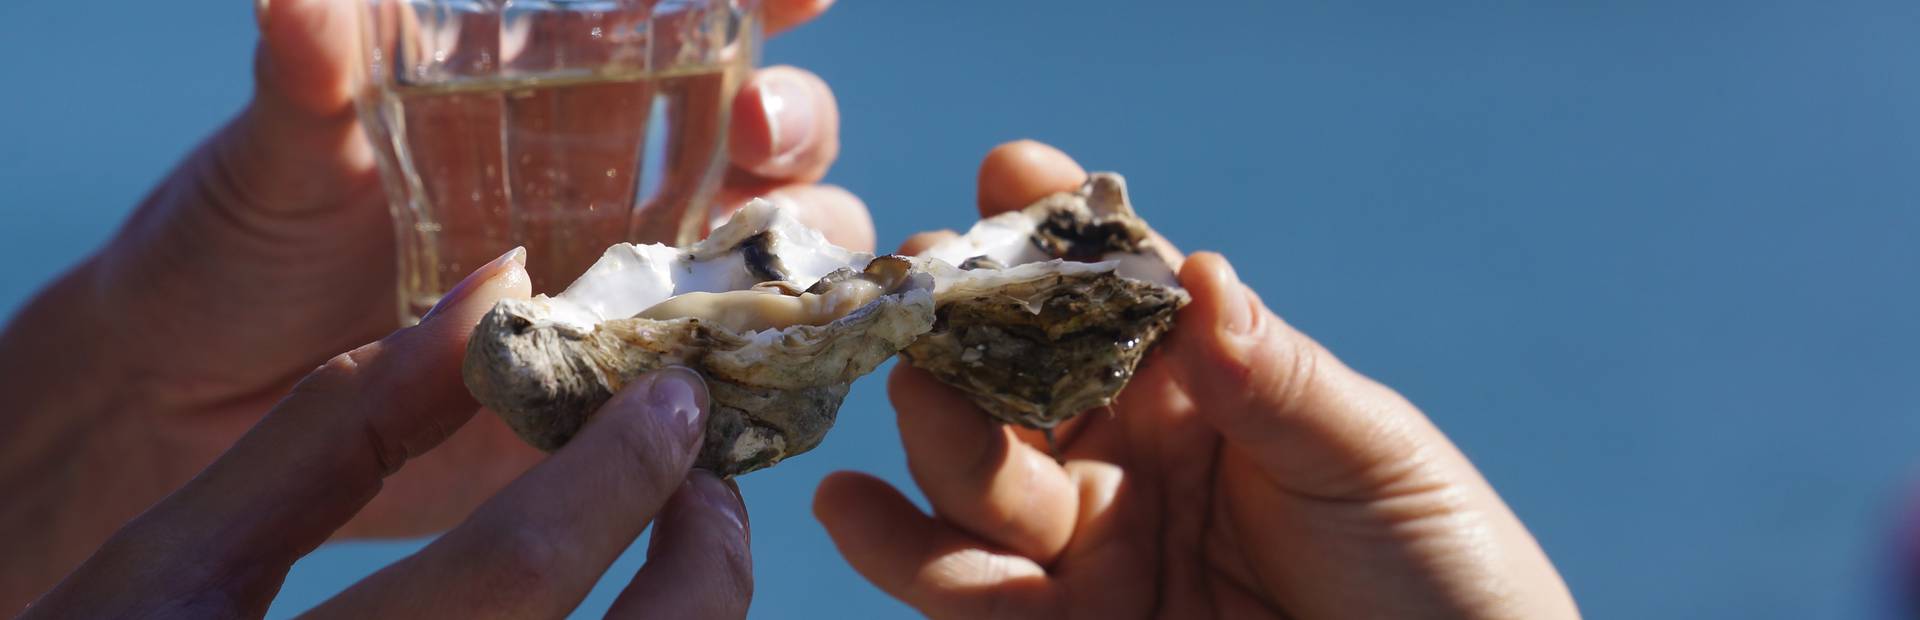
1312	424
298	146
307	54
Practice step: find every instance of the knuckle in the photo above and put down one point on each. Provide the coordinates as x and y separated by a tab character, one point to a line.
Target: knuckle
388	455
1420	505
526	566
338	372
1275	368
1290	372
1271	374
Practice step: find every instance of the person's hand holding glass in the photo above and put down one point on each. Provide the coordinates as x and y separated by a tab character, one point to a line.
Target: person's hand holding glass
1246	472
270	250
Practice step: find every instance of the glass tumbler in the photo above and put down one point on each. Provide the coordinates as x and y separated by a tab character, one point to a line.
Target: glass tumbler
564	126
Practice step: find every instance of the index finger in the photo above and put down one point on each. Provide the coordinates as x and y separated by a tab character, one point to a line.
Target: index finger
538	547
1017	174
1020	173
979	475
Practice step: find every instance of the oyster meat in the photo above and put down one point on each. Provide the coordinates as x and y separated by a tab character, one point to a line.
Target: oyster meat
778	321
1045	312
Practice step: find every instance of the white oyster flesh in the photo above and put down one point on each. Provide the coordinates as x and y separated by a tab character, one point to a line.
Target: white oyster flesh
1046	312
778	321
1042	232
761	243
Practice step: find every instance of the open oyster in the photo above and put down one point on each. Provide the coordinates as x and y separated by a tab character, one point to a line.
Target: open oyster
1051	307
778	320
1041	314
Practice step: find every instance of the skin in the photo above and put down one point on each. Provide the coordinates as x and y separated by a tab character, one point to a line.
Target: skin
222	544
265	253
1244	473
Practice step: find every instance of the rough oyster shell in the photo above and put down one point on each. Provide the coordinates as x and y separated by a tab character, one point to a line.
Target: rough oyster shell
1052	307
546	364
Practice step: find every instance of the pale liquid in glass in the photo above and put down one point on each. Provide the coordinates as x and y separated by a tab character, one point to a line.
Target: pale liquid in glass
565	165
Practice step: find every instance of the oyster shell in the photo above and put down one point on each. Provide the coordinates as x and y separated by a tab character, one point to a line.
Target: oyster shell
1041	314
779	322
1051	308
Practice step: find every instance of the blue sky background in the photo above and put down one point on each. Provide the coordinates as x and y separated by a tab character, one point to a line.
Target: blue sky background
1651	263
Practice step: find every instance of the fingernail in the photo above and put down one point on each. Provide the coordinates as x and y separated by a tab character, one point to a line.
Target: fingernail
516	257
787	102
1236	301
680	395
721	495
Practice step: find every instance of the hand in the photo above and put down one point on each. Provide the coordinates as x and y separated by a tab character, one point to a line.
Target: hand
268	250
221	545
1244	473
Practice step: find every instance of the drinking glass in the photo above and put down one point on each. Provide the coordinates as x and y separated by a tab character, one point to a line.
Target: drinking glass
564	126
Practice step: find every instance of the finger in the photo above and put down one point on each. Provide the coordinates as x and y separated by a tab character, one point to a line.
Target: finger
699	564
940	571
839	214
833	211
977	475
537	548
307	54
1063	434
1016	174
1315	426
481	458
223	542
785	14
297	147
786	127
921	242
1116	532
1295	418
